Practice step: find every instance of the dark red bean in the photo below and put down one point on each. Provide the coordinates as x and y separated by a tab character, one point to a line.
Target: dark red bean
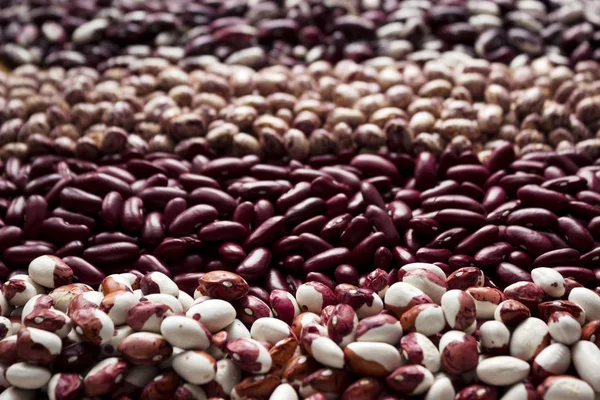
591	258
173	209
311	245
443	188
132	215
593	182
266	232
171	249
101	184
553	172
325	187
333	229
568	184
148	263
476	174
111	210
42	184
533	167
57	230
520	259
292	263
363	252
305	209
448	239
300	192
410	197
327	260
371	196
336	205
224	203
458	261
557	241
74	218
452	201
343	176
589	197
425	254
190	181
36	211
255	264
425	171
383	259
492	255
143	168
508	274
305	175
556	258
458	217
117	252
263	210
575	234
346	273
582	275
321	278
382	221
266	171
77	200
274	280
513	183
222	231
425	226
15	214
403	256
529	240
583	210
74	248
158	197
312	225
83	271
501	157
471	190
231	252
153	230
187	222
188	282
224	167
286	245
533	217
10	236
373	165
494	197
24	254
500	214
117	172
400	213
358	229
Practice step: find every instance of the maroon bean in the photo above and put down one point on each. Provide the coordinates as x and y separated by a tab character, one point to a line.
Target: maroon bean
589	197
311	245
513	183
321	278
143	168
224	203
222	231
312	225
101	184
501	157
291	263
448	239
509	273
190	181
557	241
520	259
533	217
300	192
593	182
258	293
476	174
274	280
111	210
153	230
583	210
582	275
403	256
371	196
553	172
74	248
576	234
15	214
244	214
173	208
471	190
171	249
333	229
382	221
336	205
263	210
591	258
158	197
529	240
266	171
356	204
10	236
57	230
428	255
358	229
410	197
567	184
260	189
499	215
255	264
286	245
231	252
266	232
458	261
451	201
383	259
42	184
111	237
132	215
83	271
74	218
326	187
77	200
458	217
327	260
530	166
443	188
148	263
400	214
36	211
425	171
494	197
346	273
24	254
556	258
187	221
305	175
111	253
373	165
224	167
117	172
492	255
188	282
343	176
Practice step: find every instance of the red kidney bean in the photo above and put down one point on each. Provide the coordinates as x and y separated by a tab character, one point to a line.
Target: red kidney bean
476	174
101	184
57	230
112	204
471	190
371	196
74	218
501	157
556	258
74	248
190	181
147	263
224	203
10	236
326	187
529	240
291	263
300	192
173	209
513	183
480	238
224	167
443	188
188	282
346	177
24	254
492	255
383	258
373	165
111	237
448	239
143	168
171	249
410	197
158	197
266	171
321	278
425	171
452	201
346	273
255	264
535	196
509	273
575	234
458	217
15	214
263	210
333	229
77	200
400	213
593	182
231	252
590	258
582	275
553	172
153	230
383	223
403	256
336	205
461	261
356	204
425	254
567	184
363	252
312	225
520	259
594	226
424	226
132	215
583	210
117	172
222	231
327	260
186	222
305	175
311	244
274	280
357	229
111	253
411	240
534	167
286	245
42	184
36	211
266	232
83	271
533	217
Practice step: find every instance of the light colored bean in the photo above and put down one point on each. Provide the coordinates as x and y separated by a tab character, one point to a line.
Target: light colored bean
27	376
50	271
588	300
196	367
553	360
270	330
586	359
529	338
185	333
372	358
215	314
502	370
550	280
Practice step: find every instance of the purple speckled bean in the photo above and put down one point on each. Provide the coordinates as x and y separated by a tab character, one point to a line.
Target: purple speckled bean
153	230
358	229
112	204
508	274
532	217
132	215
263	210
452	201
224	203
312	225
582	275
382	221
255	264
186	222
575	234
171	249
371	196
23	254
529	240
478	239
83	271
535	196
222	231
494	197
266	232
77	200
425	171
111	253
458	217
311	245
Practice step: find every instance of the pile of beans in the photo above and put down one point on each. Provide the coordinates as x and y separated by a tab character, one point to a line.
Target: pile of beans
79	33
280	113
429	334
